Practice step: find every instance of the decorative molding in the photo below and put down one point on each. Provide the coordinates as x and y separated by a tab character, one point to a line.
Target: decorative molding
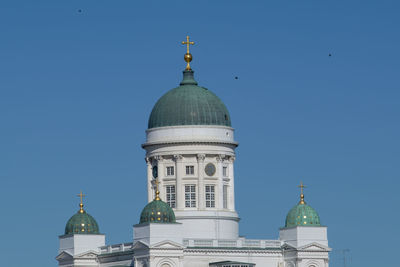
220	158
234	144
228	251
158	158
167	244
149	160
201	157
314	247
178	157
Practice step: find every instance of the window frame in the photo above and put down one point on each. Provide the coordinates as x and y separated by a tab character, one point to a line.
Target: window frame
209	195
225	196
190	196
225	172
189	169
168	172
170	197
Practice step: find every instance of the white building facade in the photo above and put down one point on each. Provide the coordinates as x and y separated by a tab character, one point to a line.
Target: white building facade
191	220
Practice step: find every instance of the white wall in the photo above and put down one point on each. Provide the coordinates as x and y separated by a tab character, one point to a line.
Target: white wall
190	133
76	244
153	233
302	235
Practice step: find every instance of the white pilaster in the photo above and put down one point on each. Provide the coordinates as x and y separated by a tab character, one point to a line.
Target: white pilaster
149	179
220	187
200	164
180	192
231	189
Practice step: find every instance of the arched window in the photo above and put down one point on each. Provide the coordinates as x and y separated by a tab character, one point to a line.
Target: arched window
165	265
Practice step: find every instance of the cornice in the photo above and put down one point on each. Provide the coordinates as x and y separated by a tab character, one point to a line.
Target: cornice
205	142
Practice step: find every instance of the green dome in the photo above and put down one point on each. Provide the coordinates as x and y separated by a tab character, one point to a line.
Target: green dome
302	215
157	211
82	223
189	104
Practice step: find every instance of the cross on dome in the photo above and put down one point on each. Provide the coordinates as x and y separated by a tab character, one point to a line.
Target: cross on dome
301	186
188	57
188	43
81	195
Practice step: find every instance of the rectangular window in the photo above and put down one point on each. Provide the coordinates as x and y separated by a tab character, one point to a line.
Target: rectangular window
170	171
225	171
189	170
210	196
225	196
190	196
171	195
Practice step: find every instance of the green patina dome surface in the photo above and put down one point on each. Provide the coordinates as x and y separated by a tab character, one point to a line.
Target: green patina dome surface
189	104
82	223
302	215
157	211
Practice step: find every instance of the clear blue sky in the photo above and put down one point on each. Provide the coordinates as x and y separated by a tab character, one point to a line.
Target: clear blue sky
76	90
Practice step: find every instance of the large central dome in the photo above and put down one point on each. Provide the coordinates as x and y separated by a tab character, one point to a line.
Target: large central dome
189	104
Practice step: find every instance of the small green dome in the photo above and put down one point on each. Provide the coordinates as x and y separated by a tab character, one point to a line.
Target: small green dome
157	211
302	215
189	104
82	223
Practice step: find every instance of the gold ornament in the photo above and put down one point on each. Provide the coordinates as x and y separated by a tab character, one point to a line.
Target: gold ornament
188	57
81	210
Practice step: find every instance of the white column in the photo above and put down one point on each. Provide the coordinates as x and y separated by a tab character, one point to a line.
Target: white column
149	178
180	191
231	189
220	189
200	190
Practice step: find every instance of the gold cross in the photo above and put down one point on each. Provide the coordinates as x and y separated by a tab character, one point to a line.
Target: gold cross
81	196
81	204
301	187
188	43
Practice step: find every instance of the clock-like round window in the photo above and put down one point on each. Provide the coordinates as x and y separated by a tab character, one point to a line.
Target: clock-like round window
210	169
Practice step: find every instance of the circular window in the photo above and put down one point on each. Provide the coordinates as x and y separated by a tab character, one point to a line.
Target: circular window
210	169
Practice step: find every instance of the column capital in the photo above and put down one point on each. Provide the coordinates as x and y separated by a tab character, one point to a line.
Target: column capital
148	160
220	157
178	157
201	157
158	158
232	159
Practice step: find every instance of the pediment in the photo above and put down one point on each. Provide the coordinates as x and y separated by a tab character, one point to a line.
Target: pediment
167	244
314	247
140	245
87	255
64	255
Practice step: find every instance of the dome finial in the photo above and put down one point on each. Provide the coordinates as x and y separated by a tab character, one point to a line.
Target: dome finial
302	186
188	56
157	191
81	210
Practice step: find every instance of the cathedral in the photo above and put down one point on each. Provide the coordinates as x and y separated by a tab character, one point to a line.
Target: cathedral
190	219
